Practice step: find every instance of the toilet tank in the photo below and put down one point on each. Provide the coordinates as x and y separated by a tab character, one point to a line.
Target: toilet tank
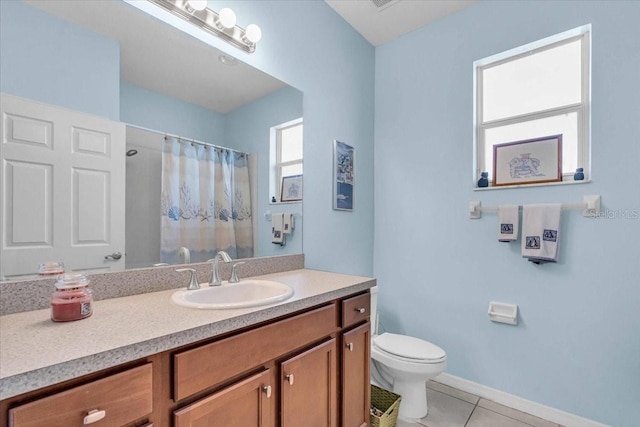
374	310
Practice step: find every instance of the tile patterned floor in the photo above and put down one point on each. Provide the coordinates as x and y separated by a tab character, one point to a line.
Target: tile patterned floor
450	407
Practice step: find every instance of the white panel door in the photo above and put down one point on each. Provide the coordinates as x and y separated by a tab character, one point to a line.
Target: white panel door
63	189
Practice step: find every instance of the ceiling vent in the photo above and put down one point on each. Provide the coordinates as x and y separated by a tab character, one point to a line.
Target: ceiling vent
383	4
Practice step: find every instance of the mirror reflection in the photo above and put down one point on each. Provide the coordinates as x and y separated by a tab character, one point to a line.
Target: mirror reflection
202	142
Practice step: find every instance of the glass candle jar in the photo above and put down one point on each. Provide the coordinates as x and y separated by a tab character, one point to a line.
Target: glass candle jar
50	268
71	299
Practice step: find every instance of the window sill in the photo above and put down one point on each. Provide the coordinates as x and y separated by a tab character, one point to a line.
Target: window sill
544	184
285	203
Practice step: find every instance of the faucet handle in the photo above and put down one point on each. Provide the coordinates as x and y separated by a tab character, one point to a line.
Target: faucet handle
193	281
234	272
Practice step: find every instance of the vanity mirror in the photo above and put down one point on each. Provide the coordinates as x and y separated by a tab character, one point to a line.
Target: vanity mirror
174	84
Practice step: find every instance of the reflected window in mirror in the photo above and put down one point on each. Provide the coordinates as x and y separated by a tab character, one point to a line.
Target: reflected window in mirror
286	155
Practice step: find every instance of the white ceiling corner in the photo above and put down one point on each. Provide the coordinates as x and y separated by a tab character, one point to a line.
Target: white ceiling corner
382	24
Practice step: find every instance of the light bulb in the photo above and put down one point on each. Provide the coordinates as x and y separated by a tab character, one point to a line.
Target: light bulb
253	33
227	18
196	4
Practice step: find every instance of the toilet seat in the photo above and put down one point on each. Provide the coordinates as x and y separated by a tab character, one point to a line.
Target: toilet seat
409	349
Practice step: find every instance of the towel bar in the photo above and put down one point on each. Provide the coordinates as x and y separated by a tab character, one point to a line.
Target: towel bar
590	207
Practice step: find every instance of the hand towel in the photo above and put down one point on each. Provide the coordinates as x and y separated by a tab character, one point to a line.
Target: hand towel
277	220
508	223
288	223
541	232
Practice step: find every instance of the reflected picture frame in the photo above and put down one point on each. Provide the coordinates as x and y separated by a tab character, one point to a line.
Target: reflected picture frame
291	190
343	176
531	161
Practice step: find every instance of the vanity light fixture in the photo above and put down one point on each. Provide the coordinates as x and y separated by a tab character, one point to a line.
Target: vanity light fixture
221	24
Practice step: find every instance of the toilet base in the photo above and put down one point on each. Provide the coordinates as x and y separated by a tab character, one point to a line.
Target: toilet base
414	399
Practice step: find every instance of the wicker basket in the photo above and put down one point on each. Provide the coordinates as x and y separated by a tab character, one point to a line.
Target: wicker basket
385	401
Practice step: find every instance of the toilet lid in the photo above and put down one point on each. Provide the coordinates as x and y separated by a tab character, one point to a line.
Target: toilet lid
408	347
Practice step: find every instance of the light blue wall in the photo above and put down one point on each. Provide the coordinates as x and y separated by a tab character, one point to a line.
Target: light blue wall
247	129
577	345
309	46
155	111
46	59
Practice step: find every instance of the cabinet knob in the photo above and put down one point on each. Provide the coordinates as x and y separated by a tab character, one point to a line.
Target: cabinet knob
267	390
289	378
94	416
360	310
350	346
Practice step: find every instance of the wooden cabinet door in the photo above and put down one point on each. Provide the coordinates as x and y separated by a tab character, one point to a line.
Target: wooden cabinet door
356	390
247	403
309	388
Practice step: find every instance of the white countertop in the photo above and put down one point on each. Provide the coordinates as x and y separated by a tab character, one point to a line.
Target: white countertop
36	352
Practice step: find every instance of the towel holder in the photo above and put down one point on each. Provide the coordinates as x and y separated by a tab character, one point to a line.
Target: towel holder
590	207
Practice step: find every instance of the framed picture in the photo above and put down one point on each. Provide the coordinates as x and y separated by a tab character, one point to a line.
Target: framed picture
291	188
528	162
343	176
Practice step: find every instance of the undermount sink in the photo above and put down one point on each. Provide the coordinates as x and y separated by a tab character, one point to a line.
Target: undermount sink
246	293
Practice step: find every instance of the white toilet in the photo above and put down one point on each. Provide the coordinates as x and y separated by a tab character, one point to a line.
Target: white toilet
404	364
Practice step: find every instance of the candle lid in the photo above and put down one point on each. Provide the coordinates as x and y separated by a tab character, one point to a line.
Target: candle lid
72	281
51	267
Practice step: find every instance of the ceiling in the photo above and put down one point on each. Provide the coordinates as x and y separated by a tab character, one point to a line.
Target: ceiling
146	44
380	21
158	57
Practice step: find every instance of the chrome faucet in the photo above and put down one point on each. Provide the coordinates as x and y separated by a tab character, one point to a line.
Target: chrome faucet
215	271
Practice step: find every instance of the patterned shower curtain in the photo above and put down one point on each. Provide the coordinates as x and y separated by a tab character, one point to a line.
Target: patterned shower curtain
206	202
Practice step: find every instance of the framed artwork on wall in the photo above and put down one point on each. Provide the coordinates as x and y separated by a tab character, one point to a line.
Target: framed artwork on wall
291	188
343	176
530	161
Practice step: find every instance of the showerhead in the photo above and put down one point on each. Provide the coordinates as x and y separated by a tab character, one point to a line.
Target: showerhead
132	152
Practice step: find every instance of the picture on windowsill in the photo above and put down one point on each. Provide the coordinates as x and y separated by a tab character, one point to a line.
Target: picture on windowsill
343	176
291	188
531	161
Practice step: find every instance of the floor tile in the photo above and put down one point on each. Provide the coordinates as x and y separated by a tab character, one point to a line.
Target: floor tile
445	410
482	417
454	392
515	414
402	423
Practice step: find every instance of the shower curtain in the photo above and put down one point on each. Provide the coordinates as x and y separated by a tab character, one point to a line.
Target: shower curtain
205	202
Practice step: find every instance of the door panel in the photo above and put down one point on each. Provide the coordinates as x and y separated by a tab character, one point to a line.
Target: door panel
309	387
356	390
63	190
247	403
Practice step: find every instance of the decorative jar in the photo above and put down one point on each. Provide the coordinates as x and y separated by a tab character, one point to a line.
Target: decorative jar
579	175
71	299
484	179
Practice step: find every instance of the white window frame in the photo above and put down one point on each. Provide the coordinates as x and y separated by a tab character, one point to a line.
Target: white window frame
276	164
582	109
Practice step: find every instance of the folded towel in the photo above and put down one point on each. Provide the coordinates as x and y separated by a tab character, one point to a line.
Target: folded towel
508	223
277	223
541	232
288	223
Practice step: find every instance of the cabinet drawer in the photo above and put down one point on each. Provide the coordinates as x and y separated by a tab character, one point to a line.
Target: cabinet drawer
356	309
206	366
123	397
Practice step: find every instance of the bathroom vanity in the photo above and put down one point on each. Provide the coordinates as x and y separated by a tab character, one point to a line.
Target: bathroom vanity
143	361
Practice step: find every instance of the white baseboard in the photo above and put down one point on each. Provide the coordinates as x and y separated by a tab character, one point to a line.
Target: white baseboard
545	412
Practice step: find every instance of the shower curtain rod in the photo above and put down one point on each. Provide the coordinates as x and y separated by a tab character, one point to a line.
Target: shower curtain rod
180	138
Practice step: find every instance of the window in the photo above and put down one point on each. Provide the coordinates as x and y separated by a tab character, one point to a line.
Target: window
286	154
533	91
